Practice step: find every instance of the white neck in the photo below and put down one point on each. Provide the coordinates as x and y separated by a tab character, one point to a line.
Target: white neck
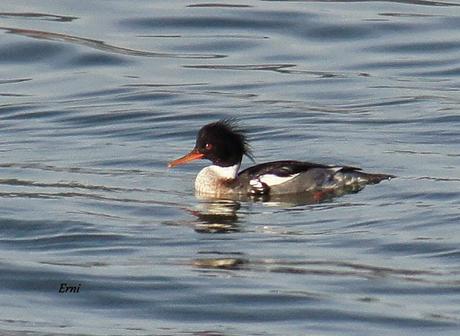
225	172
209	179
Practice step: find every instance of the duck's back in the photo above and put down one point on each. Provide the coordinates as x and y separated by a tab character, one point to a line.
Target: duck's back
285	177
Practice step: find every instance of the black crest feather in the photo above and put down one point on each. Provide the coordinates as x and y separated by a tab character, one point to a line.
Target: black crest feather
232	125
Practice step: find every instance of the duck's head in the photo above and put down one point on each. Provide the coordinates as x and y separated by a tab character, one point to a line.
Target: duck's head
221	142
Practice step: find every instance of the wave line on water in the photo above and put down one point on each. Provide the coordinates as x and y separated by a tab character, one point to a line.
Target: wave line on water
101	45
40	16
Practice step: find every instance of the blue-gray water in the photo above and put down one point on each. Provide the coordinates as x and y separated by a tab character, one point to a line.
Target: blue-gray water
97	96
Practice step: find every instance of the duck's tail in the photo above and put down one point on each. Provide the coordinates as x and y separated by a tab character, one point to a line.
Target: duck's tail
352	175
375	178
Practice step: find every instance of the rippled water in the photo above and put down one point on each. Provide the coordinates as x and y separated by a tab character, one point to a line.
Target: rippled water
97	96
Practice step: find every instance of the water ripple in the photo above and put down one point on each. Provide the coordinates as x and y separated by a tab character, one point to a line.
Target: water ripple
39	16
100	45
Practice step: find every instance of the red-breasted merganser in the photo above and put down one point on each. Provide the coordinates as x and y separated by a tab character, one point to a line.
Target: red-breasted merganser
224	144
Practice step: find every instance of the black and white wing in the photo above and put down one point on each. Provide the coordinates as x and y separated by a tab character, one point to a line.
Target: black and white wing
261	178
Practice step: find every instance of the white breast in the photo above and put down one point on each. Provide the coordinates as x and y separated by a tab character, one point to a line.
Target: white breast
209	179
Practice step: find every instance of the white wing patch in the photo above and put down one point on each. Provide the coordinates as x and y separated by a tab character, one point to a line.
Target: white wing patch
272	179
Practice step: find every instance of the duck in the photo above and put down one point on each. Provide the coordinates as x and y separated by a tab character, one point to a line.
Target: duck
225	144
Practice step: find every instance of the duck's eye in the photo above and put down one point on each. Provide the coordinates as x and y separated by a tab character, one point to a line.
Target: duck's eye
208	146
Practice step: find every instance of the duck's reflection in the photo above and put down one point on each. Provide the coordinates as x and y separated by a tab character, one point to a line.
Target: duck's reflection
226	263
217	215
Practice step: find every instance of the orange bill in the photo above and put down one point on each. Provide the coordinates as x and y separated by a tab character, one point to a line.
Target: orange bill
193	155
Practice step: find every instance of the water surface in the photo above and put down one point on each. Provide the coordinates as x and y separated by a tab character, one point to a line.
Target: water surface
97	97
